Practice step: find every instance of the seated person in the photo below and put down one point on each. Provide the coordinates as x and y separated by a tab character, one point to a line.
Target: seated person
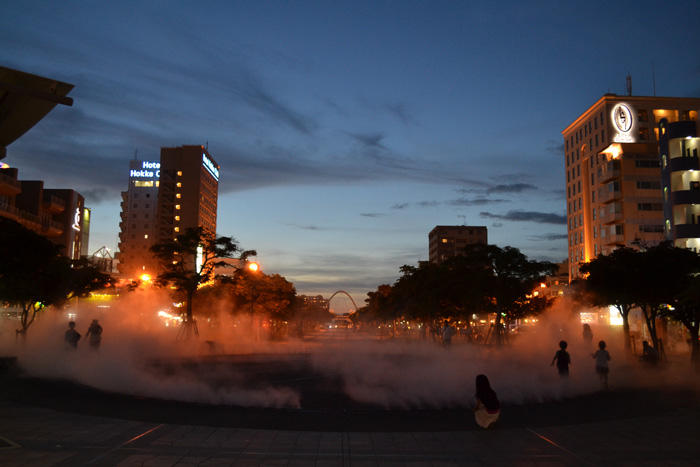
649	354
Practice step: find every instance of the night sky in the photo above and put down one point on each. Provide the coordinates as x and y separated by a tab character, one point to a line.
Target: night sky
345	131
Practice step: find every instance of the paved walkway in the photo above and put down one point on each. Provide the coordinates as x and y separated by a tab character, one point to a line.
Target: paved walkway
40	436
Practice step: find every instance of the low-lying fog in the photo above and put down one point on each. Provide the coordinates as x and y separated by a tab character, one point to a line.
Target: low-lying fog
396	373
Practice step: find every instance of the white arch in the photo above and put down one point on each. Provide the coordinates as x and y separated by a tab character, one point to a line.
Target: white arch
348	295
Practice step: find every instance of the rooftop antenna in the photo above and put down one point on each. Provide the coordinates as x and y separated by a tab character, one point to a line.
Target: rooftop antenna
464	220
629	84
653	77
207	145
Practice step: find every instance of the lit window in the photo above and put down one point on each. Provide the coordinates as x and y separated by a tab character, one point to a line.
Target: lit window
177	218
177	229
179	184
179	173
145	236
177	206
178	196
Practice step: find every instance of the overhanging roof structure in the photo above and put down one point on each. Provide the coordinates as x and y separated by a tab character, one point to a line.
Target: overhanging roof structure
24	100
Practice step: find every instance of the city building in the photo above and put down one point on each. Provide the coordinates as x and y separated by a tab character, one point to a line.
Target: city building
613	173
57	214
680	181
447	241
164	199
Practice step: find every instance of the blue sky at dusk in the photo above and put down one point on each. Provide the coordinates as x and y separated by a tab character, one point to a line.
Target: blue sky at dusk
345	131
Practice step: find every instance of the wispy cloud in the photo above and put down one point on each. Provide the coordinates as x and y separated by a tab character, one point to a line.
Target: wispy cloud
511	188
527	216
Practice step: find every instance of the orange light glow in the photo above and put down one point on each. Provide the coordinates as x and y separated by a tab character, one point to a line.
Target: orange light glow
253	267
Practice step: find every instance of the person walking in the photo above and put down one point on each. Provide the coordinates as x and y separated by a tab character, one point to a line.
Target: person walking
602	357
95	334
563	359
447	332
72	336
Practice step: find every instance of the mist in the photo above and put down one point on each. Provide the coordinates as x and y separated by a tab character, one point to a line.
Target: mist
141	356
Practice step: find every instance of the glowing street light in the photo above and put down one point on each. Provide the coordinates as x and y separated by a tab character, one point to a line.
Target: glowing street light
254	268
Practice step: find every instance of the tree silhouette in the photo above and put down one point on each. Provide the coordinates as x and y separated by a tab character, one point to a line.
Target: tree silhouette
34	274
188	261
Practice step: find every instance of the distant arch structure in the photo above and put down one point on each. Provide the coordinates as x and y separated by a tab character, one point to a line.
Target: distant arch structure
346	294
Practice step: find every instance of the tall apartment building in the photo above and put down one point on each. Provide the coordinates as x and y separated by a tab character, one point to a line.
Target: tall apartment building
679	144
613	173
57	214
165	198
447	241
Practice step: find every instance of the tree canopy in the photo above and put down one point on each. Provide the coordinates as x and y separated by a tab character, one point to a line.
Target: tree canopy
189	260
34	274
483	279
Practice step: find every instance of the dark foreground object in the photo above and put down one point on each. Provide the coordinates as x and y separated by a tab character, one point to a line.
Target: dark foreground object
70	397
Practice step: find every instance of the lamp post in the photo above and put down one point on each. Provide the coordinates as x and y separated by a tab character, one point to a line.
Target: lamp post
253	268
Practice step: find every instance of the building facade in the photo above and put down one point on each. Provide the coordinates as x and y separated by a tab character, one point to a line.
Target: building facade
57	214
679	145
447	241
164	199
613	174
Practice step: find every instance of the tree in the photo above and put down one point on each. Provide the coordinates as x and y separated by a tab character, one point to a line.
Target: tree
34	274
686	310
506	278
270	295
610	280
189	260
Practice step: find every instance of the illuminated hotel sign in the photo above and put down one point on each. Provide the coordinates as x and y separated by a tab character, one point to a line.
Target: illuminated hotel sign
76	220
148	170
624	123
209	165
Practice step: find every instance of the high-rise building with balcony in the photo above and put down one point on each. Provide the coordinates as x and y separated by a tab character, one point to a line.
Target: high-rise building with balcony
613	173
165	198
679	144
57	214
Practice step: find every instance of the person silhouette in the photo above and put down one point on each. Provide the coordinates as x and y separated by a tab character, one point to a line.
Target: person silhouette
72	336
563	359
488	408
95	334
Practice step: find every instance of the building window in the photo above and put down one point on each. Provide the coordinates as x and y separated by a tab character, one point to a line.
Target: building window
177	206
178	184
145	236
177	218
595	232
177	229
646	185
644	134
178	195
179	173
649	207
136	205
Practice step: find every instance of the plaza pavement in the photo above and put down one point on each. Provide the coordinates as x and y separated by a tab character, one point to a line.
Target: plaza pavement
49	424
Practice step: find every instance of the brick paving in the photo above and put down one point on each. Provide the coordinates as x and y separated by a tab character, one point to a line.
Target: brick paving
40	436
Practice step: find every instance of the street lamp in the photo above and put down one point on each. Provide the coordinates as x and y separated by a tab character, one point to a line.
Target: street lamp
253	268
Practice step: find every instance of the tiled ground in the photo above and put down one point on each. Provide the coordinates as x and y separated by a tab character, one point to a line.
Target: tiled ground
31	436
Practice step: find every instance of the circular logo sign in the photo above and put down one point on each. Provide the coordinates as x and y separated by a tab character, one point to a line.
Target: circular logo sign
622	118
